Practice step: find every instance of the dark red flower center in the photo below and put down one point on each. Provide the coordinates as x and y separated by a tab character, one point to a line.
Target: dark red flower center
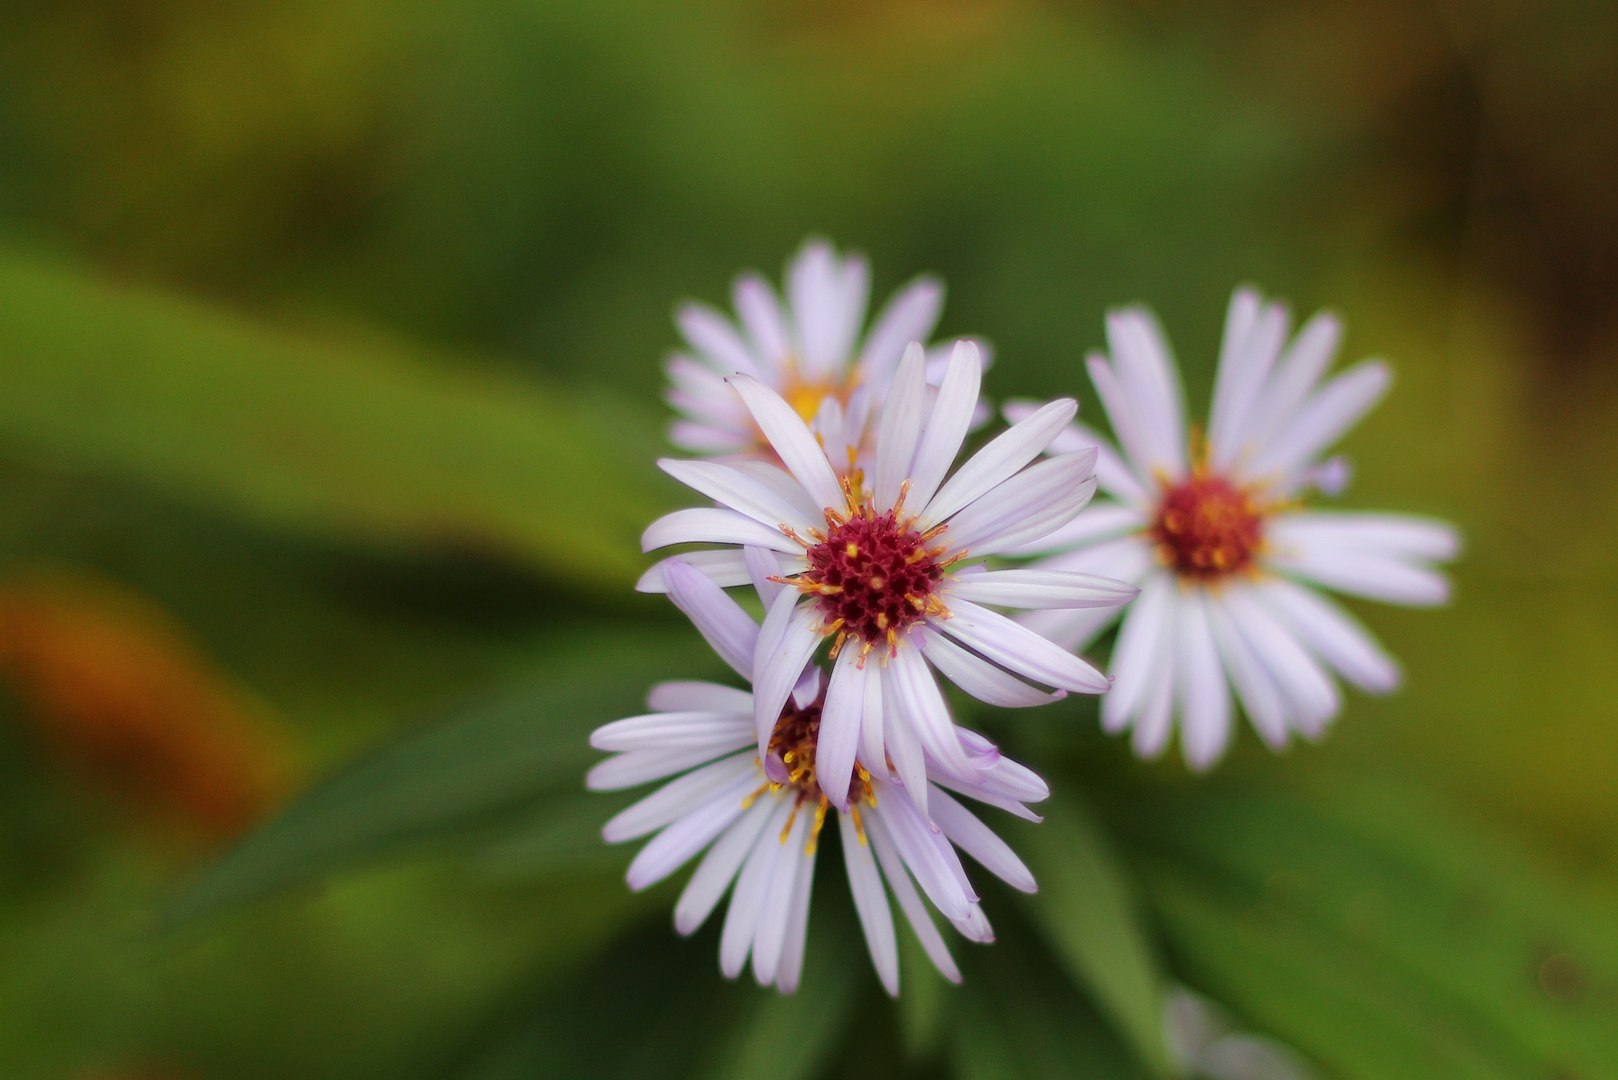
1207	528
874	574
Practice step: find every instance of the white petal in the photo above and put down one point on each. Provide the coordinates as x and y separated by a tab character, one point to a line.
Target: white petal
804	458
1260	696
899	428
1026	588
980	678
1147	373
873	753
1032	504
712	525
1156	717
1203	692
1332	634
1322	420
797	935
705	439
1393	536
840	728
1125	424
926	854
725	568
733	488
787	640
721	621
901	745
701	391
1374	577
719	866
1000	459
980	842
776	907
696	695
736	940
779	481
1294	380
909	316
1233	375
826	308
1018	649
904	891
1137	664
710	332
679	797
1095	523
1242	414
947	427
871	901
673	847
671	731
760	311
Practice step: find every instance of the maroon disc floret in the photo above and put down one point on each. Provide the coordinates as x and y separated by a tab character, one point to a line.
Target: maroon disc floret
874	574
1207	528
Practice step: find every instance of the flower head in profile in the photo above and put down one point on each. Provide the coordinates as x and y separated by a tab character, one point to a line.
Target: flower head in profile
810	350
877	566
760	816
1214	531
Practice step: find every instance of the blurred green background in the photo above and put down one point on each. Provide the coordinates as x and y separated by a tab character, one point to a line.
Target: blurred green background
329	343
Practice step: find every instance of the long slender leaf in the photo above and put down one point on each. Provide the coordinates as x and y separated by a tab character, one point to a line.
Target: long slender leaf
350	439
1086	909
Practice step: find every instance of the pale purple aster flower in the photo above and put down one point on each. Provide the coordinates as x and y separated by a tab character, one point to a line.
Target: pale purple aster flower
1214	533
876	563
810	350
759	817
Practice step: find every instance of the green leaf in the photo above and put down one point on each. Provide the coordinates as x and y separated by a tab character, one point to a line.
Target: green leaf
1086	909
1370	929
477	769
347	439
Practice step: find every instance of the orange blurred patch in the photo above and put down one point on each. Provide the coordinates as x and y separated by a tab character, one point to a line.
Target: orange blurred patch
114	684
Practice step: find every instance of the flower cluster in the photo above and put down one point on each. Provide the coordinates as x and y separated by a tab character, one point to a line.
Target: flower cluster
829	459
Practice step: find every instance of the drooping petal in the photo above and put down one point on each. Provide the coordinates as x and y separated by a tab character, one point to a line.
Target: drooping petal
719	866
910	902
871	902
786	641
721	621
1260	697
979	841
790	969
677	843
724	567
915	693
776	908
747	901
1137	664
840	728
695	695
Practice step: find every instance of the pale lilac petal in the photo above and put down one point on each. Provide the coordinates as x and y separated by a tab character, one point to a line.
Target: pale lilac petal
695	695
825	319
899	428
721	621
1234	375
1114	475
734	488
1027	588
980	678
1137	657
1032	504
791	967
926	854
1126	426
762	567
677	843
746	902
804	458
1294	380
1393	536
1242	415
1322	420
901	744
871	902
1147	373
1261	698
979	841
909	316
718	867
635	767
1392	581
1312	695
974	926
1125	559
760	312
1000	459
916	694
1333	635
701	391
1204	695
724	567
713	525
904	891
840	728
671	731
776	907
947	426
873	753
787	640
781	482
1018	649
807	689
1093	524
712	334
703	439
681	796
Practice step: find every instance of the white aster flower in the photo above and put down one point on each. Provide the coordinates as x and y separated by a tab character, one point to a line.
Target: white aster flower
810	351
1213	532
760	817
876	563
